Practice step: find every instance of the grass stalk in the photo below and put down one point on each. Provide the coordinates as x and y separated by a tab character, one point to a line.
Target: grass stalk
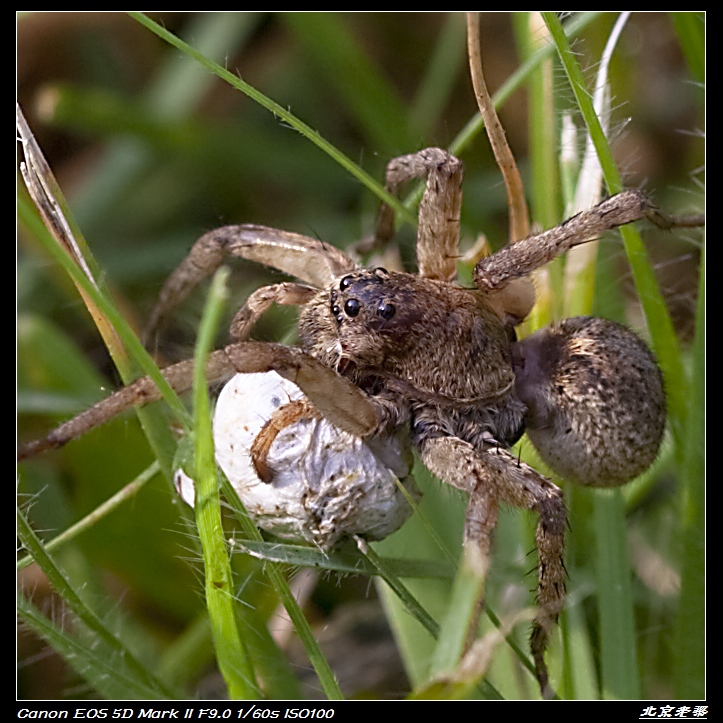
274	573
134	677
280	112
231	653
123	495
690	628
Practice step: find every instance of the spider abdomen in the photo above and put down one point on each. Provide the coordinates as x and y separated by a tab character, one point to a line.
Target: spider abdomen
595	398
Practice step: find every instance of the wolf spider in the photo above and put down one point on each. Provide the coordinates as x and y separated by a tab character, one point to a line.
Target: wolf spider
384	352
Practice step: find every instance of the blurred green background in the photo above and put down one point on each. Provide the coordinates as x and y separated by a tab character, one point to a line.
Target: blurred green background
151	151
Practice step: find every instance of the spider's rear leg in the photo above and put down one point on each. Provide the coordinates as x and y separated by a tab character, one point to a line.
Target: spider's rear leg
308	259
495	476
522	257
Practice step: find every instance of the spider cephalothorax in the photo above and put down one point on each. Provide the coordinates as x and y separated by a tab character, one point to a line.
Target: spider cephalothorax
404	339
417	329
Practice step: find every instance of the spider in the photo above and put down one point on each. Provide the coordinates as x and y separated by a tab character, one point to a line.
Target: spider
421	358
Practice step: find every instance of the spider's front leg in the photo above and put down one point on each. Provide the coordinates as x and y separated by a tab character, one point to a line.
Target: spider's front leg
493	476
335	397
346	405
306	258
302	257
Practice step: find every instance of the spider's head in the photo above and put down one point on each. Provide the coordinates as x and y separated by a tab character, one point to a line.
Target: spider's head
362	320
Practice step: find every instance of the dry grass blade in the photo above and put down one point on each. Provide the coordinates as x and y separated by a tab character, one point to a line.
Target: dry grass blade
519	215
48	199
45	192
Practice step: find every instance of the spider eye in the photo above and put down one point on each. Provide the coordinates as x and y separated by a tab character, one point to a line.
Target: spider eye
380	271
386	310
345	283
352	306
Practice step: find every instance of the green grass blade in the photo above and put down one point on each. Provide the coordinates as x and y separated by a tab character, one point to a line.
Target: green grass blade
464	604
542	125
544	188
28	217
189	654
585	101
690	28
179	87
155	427
476	125
400	590
344	561
170	97
93	661
359	83
620	678
282	113
275	575
691	628
438	83
139	677
579	673
127	493
231	652
244	649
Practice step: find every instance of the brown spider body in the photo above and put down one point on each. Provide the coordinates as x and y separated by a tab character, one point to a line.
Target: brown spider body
392	354
404	340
